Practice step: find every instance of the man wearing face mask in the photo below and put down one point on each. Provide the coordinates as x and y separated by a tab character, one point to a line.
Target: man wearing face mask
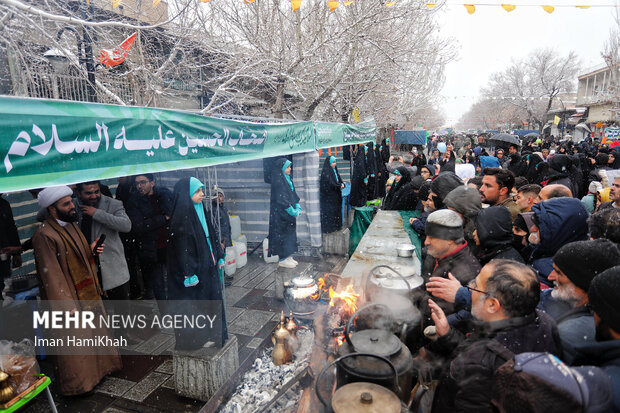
556	222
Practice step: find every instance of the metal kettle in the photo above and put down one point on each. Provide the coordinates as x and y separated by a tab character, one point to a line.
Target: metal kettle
362	396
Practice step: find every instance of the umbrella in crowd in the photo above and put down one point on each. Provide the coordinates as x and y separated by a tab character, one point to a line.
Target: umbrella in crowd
506	138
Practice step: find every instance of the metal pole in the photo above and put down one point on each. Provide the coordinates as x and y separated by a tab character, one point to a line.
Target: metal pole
86	10
217	202
85	57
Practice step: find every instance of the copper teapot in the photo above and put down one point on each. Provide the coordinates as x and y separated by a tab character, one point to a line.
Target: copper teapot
7	392
282	353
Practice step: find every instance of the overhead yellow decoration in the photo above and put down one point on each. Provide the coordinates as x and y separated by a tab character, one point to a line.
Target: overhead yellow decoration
156	2
583	7
116	3
205	1
356	114
390	3
333	5
470	8
556	120
349	2
548	9
431	6
296	4
248	1
509	7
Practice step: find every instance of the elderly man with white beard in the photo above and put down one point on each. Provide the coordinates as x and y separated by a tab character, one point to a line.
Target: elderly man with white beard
574	267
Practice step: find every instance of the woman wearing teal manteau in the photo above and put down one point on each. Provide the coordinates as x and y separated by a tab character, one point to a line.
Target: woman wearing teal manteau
195	259
283	214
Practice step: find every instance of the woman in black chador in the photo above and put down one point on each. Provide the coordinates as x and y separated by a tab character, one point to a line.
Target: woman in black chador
403	195
385	150
372	171
194	256
331	196
383	174
359	178
283	214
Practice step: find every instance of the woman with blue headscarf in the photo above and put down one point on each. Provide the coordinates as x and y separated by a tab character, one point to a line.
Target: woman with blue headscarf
331	185
283	214
195	258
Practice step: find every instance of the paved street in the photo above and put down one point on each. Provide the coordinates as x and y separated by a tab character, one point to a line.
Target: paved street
145	383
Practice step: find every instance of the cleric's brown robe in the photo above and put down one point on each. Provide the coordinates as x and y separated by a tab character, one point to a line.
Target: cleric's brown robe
76	374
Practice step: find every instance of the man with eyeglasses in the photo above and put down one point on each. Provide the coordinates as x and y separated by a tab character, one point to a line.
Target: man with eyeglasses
504	298
149	210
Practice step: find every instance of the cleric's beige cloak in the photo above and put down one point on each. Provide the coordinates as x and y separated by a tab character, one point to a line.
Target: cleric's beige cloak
66	272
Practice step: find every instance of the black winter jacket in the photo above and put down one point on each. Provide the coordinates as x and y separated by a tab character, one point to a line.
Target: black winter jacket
465	385
146	222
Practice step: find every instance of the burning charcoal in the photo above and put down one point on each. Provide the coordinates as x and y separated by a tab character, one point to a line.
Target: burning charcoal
265	380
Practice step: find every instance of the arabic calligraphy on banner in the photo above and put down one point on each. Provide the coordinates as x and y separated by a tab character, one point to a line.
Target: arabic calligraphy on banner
612	133
45	142
337	134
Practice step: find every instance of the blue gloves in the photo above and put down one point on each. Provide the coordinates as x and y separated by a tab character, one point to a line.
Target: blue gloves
220	269
292	212
365	180
298	207
191	281
372	175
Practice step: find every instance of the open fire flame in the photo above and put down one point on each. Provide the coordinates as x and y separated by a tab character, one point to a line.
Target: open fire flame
322	287
342	304
348	297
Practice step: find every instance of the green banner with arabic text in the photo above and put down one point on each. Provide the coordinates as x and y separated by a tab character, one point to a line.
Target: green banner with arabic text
52	142
330	134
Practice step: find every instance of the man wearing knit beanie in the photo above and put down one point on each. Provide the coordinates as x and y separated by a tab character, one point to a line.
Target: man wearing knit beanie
604	295
447	252
574	267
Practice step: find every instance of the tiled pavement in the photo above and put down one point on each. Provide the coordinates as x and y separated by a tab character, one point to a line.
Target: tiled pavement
145	384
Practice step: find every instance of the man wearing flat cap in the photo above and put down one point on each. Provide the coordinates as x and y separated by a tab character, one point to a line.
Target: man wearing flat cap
574	267
67	273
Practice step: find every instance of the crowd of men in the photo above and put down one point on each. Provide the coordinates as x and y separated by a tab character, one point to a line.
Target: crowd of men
521	256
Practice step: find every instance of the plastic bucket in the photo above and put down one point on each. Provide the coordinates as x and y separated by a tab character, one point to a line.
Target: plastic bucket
268	259
231	261
242	239
235	226
241	253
